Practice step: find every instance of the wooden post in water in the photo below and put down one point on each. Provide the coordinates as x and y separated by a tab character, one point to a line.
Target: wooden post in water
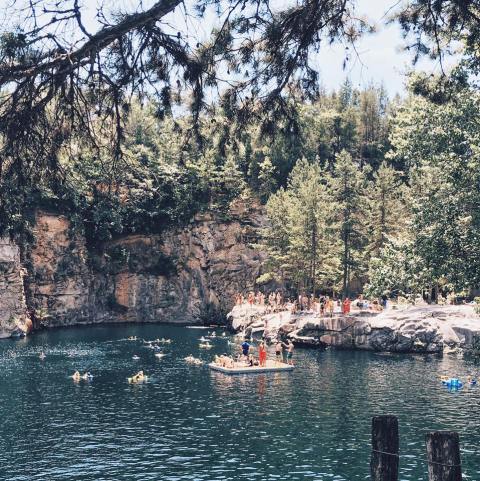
384	461
443	456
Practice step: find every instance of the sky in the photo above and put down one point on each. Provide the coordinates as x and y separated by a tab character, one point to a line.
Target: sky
380	59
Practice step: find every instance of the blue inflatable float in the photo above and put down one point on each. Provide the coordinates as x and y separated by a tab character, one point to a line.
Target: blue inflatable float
454	383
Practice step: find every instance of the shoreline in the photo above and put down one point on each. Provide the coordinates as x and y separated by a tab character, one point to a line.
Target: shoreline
425	329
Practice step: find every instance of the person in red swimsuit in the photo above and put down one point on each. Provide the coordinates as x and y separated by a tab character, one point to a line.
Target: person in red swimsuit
346	306
262	354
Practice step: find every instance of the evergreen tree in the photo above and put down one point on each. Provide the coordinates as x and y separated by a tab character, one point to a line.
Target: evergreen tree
298	234
347	189
388	212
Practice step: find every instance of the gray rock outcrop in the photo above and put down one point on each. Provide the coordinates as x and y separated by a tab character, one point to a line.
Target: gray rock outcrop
425	329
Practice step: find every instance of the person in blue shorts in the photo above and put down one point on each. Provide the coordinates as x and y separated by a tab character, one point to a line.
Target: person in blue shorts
245	348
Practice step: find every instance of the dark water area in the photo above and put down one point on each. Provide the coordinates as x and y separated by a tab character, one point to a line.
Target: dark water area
187	423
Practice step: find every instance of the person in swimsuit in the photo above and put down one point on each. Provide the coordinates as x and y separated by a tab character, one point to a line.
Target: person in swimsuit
278	351
245	348
262	354
289	347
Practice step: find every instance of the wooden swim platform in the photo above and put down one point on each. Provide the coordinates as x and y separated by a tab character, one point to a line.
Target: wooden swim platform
240	368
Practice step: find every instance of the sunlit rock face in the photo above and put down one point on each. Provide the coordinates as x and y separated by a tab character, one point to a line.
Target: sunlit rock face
183	275
58	276
14	319
425	329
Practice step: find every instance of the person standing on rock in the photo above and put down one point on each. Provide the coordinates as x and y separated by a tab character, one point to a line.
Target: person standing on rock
346	306
322	306
330	306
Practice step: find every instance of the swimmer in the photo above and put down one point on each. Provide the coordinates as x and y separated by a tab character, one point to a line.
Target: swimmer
76	376
139	377
87	376
42	356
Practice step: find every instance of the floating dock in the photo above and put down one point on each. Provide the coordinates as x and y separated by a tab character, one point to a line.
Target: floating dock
241	368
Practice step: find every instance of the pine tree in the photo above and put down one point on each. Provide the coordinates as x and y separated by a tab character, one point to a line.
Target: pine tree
387	208
348	190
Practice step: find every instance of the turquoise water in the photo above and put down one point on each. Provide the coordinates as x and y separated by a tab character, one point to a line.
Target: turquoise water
187	423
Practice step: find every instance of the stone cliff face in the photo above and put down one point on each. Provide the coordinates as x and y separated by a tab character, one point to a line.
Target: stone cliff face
184	275
14	318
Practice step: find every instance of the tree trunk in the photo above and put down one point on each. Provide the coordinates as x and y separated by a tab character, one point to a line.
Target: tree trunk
345	266
314	255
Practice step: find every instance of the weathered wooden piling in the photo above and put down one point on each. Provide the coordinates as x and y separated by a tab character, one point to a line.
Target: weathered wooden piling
443	456
384	460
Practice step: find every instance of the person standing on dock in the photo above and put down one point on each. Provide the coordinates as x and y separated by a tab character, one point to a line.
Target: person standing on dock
245	348
262	354
289	347
278	351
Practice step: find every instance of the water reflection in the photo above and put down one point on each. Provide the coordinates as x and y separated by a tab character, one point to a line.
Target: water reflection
187	422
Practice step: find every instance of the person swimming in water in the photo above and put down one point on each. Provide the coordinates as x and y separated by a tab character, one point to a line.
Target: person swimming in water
139	377
76	376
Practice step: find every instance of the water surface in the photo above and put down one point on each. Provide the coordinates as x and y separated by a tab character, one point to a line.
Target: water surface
187	423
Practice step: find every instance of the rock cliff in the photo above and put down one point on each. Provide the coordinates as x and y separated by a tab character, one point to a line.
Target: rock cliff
184	275
14	319
425	329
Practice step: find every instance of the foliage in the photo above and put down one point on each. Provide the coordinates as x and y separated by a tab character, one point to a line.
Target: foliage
69	71
441	143
397	271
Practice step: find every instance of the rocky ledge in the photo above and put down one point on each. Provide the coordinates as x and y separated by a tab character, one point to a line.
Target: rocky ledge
422	329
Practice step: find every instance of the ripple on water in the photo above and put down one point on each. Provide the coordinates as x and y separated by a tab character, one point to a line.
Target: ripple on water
189	423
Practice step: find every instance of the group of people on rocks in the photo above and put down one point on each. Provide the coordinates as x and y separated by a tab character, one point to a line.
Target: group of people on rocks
274	301
323	305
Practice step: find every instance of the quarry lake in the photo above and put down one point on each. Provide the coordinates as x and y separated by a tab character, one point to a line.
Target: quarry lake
187	423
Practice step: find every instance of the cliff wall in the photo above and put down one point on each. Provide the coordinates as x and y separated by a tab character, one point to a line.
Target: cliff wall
14	317
184	275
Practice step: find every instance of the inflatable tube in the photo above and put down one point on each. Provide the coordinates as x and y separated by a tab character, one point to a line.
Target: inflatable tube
454	383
